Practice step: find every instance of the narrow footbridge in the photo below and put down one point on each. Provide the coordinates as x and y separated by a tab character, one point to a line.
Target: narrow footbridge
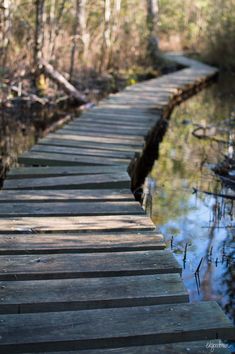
82	268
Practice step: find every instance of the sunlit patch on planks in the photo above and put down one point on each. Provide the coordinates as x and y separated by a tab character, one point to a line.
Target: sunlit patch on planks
82	267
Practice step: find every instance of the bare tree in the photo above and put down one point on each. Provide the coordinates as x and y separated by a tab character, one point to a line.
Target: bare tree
116	19
38	44
52	26
5	26
115	27
79	32
106	35
152	19
55	21
83	35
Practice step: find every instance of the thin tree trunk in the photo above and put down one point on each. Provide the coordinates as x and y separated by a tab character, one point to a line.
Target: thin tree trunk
74	39
106	35
84	36
115	27
56	30
5	6
38	44
52	26
79	33
152	19
116	19
107	27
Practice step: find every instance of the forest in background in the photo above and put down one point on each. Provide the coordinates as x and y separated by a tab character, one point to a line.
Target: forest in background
87	38
57	53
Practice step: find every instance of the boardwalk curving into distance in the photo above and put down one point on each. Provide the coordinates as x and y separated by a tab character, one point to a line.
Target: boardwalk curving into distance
82	268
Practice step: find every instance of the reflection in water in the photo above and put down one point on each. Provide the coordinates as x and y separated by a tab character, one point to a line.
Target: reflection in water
197	226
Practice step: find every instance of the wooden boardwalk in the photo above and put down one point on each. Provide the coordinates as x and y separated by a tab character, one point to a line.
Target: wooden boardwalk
82	268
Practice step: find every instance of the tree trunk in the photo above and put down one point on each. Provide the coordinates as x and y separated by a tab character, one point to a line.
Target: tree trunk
38	44
52	27
57	28
115	29
116	19
79	32
82	23
106	35
5	6
152	19
74	38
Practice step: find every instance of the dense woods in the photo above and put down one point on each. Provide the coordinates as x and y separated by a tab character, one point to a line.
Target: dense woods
53	52
73	36
83	38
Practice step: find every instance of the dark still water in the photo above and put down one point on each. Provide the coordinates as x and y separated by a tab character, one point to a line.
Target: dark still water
197	226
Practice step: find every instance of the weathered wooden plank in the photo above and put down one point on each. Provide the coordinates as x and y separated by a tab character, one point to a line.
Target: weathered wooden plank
116	180
95	139
76	223
82	151
70	209
100	328
124	106
74	195
119	113
94	127
83	294
53	159
160	98
114	120
102	133
80	243
196	347
96	146
79	265
127	112
52	171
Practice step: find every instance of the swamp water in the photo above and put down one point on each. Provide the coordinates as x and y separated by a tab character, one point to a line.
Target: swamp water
199	228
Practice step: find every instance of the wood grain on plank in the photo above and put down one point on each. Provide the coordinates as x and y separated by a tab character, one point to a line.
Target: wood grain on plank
78	265
77	294
139	138
107	129
96	146
51	171
82	151
80	243
69	195
126	112
117	327
116	180
56	159
76	223
94	139
113	121
69	209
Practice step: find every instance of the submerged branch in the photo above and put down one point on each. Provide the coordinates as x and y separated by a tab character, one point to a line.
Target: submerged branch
228	196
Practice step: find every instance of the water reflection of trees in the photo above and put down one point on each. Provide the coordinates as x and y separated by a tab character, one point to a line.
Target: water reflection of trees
182	166
183	158
229	278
